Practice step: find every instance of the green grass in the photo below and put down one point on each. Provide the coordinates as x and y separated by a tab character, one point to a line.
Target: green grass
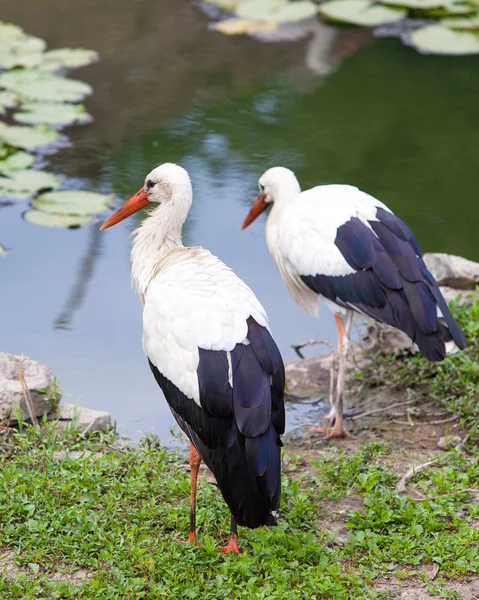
117	515
454	381
114	516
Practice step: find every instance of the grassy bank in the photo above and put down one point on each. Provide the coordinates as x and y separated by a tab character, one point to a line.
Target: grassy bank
87	518
455	381
79	519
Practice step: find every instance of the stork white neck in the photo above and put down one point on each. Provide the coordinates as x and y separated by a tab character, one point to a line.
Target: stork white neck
160	232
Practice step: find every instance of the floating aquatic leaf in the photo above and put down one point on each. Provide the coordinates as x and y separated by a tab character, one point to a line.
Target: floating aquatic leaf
26	51
67	58
14	162
276	11
419	4
467	23
361	12
243	26
224	4
54	114
25	183
38	217
460	9
437	39
29	138
8	99
72	202
10	32
41	85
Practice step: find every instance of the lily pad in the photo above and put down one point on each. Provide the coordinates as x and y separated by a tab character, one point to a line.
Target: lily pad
72	202
67	58
25	51
28	138
459	9
437	39
44	86
224	4
276	11
419	4
8	99
52	113
361	12
467	23
243	26
10	32
14	162
38	217
25	183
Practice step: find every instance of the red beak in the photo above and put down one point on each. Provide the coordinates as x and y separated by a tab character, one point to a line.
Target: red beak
134	204
258	207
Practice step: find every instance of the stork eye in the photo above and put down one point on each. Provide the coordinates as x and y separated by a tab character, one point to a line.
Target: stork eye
150	184
261	187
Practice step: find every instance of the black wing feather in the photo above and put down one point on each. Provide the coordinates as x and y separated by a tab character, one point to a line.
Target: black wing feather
391	283
236	430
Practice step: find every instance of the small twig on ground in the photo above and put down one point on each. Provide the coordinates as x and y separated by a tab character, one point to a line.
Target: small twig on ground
312	342
417	424
26	394
456	493
462	443
401	486
439	496
441	421
383	409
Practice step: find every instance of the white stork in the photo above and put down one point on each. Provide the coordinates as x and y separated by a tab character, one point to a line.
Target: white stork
340	244
209	347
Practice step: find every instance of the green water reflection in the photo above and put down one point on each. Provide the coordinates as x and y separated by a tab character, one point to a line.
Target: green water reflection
404	128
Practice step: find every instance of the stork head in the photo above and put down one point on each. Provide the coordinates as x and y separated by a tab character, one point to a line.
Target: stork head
275	184
167	185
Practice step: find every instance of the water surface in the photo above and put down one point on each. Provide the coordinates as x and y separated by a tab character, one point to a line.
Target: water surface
401	126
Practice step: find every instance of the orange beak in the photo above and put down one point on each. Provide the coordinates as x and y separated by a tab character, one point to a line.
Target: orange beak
134	204
258	207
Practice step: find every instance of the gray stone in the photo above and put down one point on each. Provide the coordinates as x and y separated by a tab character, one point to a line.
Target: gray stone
87	419
36	376
453	271
309	375
446	442
379	337
466	296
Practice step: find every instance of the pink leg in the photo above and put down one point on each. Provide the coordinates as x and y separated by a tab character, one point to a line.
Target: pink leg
336	413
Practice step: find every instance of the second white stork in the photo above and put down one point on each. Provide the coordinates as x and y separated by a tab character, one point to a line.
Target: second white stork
210	349
338	243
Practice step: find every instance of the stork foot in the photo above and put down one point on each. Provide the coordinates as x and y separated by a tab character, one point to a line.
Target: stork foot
338	430
232	545
192	539
330	418
318	429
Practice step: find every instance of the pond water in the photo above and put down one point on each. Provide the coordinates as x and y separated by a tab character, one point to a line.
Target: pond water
401	126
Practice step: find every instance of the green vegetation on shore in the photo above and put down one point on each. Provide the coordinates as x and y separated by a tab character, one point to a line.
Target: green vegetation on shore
91	518
86	519
455	381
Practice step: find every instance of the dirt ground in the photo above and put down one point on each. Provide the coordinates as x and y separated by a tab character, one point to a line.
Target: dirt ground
418	430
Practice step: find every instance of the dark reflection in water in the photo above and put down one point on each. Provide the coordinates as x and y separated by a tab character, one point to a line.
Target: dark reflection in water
64	320
401	126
